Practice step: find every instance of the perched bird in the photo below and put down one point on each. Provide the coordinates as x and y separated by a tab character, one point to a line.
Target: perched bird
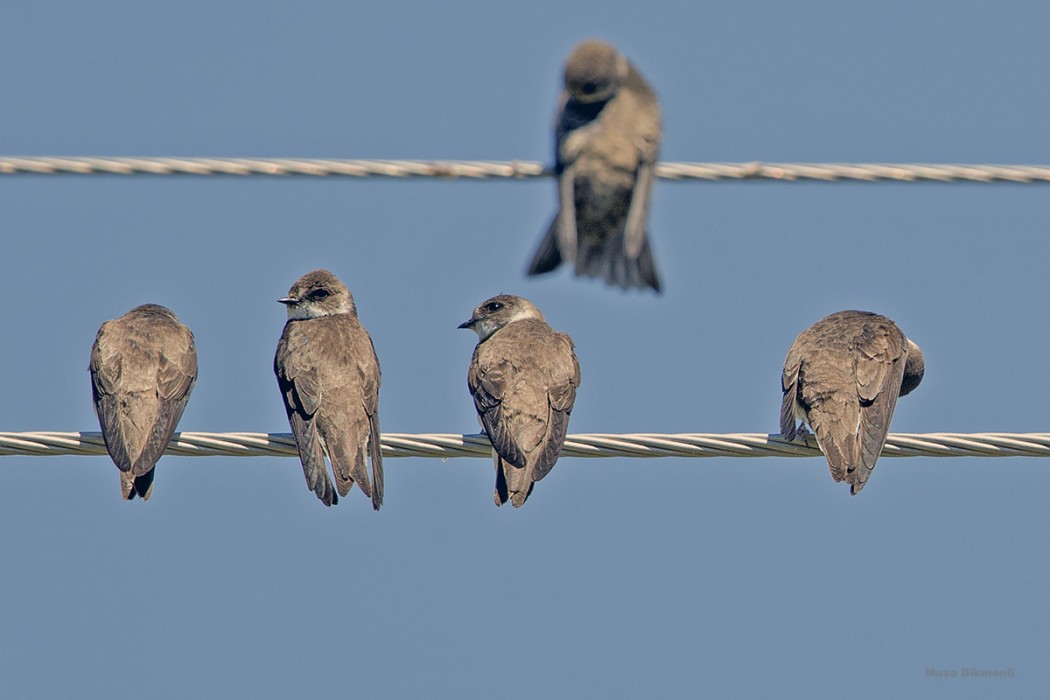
328	372
607	141
842	377
143	367
523	377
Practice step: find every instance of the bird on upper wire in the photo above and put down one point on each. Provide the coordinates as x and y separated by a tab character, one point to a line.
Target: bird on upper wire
607	140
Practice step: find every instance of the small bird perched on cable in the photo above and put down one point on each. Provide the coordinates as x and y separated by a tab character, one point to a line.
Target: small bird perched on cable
329	378
607	141
523	377
143	368
842	377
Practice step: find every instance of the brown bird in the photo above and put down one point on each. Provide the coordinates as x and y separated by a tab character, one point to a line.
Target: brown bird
607	142
329	377
842	377
523	377
143	367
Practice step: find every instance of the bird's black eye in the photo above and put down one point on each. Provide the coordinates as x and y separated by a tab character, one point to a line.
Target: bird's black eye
318	294
590	87
493	306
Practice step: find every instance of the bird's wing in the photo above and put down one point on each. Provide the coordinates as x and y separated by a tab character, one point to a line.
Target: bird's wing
176	375
822	363
880	356
574	128
640	114
561	395
488	383
565	233
349	419
375	448
106	368
302	393
789	385
634	235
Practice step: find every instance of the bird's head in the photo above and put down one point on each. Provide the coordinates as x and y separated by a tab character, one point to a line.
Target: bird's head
594	72
495	313
318	293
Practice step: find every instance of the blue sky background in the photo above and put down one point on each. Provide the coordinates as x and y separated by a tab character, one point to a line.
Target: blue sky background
620	578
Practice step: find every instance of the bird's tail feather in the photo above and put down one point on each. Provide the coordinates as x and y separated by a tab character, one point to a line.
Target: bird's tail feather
513	484
611	264
841	446
131	486
547	256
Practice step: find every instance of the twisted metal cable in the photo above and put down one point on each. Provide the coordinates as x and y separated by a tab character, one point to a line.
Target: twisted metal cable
477	169
581	445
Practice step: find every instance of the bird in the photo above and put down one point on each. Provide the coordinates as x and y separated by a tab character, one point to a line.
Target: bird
143	367
842	377
523	378
607	140
329	378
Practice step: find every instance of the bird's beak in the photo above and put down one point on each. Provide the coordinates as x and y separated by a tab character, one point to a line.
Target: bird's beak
468	324
288	301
